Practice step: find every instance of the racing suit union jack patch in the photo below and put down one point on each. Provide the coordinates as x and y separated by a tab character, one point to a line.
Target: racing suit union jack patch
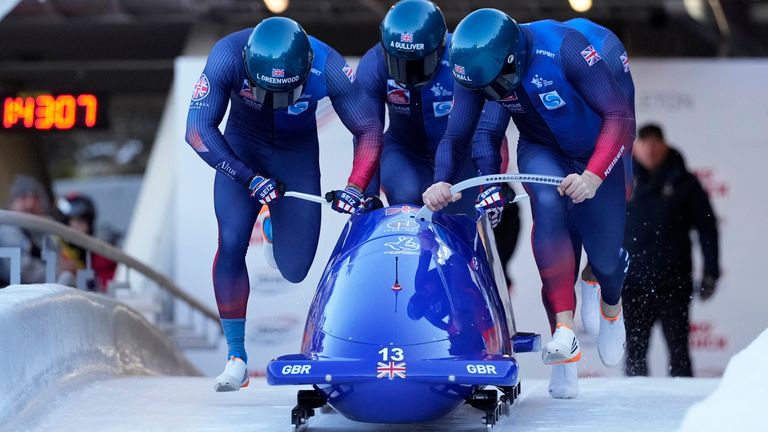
590	55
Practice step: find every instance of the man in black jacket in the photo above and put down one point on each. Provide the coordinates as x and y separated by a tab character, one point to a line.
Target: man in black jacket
667	203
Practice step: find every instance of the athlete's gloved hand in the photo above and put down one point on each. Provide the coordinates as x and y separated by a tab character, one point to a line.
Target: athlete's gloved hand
580	187
492	201
345	201
372	203
437	196
265	189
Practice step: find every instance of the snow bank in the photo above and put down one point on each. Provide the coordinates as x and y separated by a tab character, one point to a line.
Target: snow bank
739	401
53	336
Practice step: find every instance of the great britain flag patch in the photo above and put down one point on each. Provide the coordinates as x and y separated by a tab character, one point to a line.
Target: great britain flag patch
590	55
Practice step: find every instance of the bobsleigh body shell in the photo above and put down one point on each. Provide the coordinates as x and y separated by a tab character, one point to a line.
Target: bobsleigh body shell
406	321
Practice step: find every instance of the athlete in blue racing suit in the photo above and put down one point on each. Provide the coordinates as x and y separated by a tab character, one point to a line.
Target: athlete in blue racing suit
272	77
408	72
575	121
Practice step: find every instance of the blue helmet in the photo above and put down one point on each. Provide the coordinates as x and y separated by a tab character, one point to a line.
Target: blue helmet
278	59
413	37
488	53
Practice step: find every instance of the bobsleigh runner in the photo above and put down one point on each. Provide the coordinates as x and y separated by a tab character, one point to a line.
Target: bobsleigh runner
411	318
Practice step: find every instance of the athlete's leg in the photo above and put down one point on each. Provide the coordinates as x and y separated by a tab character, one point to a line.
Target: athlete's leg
236	213
553	247
295	222
600	222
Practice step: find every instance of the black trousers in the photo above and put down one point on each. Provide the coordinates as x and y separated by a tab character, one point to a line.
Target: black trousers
667	301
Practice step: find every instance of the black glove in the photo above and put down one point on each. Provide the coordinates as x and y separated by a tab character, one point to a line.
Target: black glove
345	201
265	189
707	287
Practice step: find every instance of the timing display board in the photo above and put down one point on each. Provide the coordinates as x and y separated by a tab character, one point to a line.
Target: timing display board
52	112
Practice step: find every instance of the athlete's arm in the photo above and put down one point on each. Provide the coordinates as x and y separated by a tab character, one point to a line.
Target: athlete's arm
599	89
359	118
210	99
486	148
454	147
372	82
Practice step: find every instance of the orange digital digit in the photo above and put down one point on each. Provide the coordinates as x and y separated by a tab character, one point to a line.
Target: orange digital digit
10	117
27	110
91	104
65	114
45	112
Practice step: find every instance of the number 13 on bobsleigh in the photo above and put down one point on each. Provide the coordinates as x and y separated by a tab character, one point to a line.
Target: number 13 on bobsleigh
411	318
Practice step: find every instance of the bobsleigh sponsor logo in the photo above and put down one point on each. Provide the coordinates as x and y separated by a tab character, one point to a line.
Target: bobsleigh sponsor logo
397	94
540	82
272	330
482	369
201	89
442	109
296	369
613	162
625	61
438	90
460	74
545	53
551	100
403	246
406	225
226	168
298	108
590	55
245	91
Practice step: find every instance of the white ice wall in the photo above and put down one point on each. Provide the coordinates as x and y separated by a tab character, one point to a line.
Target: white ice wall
739	401
53	337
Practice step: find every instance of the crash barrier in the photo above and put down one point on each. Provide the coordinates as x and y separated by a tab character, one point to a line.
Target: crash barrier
52	336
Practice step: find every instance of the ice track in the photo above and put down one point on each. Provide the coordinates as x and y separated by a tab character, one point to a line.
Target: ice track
134	404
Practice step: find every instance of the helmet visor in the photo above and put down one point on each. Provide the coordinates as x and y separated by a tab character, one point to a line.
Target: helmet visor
504	84
276	100
413	72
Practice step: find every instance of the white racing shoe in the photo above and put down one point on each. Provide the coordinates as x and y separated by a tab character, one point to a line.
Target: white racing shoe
564	381
235	375
611	339
563	348
590	307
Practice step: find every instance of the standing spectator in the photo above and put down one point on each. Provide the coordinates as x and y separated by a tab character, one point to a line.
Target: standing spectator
667	203
27	195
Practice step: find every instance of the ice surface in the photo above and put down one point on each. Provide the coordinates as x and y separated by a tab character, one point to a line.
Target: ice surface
739	401
189	404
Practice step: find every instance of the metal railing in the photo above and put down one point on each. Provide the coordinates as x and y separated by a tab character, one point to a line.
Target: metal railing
94	245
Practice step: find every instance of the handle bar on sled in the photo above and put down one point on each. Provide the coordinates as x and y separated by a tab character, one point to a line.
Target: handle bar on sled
425	214
308	197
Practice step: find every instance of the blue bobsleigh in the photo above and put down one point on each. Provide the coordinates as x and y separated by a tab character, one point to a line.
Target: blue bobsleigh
411	318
